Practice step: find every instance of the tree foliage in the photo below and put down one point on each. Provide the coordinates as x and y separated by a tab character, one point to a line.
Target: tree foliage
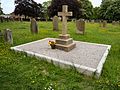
110	10
28	8
96	14
45	5
1	12
73	5
113	11
88	9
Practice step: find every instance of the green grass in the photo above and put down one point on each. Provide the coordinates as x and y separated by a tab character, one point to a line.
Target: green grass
21	72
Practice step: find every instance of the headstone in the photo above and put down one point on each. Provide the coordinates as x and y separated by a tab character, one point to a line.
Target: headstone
118	23
87	21
80	24
113	23
1	19
104	24
34	26
64	42
92	21
100	23
73	20
55	23
8	36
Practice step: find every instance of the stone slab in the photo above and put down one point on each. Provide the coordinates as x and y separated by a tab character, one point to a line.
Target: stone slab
88	58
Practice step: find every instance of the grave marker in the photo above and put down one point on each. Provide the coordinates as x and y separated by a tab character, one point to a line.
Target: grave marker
64	42
80	24
34	26
55	23
8	36
104	24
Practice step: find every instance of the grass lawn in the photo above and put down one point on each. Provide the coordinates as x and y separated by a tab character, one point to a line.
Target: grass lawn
21	72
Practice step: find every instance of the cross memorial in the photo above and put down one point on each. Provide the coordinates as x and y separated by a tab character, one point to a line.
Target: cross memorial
64	42
64	15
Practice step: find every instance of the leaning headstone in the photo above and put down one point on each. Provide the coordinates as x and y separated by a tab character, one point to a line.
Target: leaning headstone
34	26
55	23
104	24
80	24
8	36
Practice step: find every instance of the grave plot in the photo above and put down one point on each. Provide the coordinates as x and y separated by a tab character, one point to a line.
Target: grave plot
88	58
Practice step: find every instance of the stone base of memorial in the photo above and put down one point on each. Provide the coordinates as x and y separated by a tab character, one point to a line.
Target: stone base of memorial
65	43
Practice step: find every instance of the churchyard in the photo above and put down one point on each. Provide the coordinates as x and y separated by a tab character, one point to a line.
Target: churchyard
20	71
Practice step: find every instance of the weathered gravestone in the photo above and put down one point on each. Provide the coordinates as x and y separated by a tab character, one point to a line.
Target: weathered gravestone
55	23
1	19
80	24
34	26
113	22
117	23
8	36
100	23
92	21
64	42
104	24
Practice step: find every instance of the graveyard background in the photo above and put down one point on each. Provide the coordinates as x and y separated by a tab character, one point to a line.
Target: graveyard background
19	71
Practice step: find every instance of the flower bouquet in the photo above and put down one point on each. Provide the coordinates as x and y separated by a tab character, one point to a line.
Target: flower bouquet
52	44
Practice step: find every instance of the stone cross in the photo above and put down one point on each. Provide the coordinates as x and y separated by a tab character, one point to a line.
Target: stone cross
64	15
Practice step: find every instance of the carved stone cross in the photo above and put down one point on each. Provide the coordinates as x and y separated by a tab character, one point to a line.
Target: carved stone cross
64	15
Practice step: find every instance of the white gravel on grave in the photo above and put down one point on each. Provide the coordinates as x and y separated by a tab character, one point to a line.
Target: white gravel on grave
85	54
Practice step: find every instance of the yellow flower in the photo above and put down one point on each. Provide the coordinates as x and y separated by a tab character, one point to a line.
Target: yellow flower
51	43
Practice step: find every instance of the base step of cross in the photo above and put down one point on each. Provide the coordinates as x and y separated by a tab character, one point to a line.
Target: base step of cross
66	48
64	41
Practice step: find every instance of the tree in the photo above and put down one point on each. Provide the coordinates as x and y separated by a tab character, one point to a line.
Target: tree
1	12
73	5
96	14
113	11
88	9
28	8
110	10
45	8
